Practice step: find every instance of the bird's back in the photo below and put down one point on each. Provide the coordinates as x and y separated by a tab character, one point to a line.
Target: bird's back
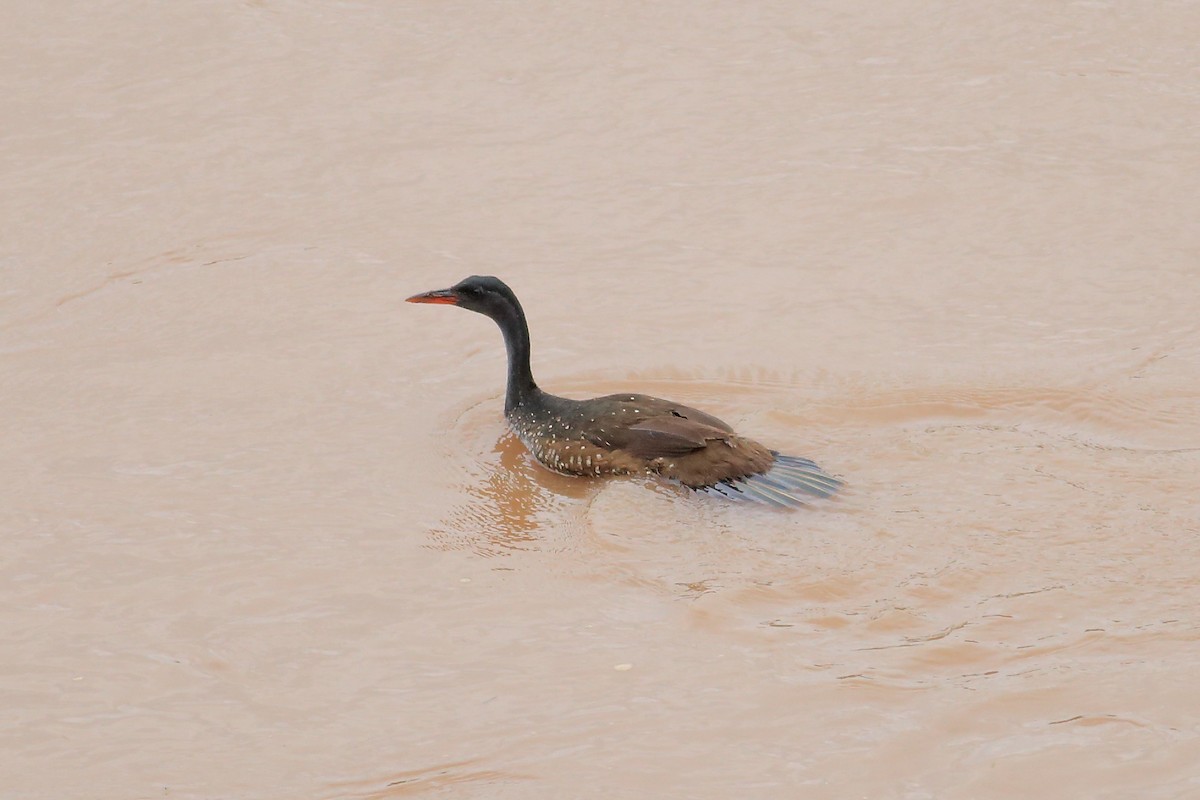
630	433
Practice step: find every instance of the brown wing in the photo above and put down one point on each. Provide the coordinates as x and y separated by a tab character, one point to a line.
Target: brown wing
669	437
686	412
649	428
648	406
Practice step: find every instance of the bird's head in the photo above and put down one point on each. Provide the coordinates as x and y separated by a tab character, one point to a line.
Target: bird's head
482	293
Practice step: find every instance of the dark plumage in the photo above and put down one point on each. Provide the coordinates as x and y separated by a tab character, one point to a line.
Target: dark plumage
623	434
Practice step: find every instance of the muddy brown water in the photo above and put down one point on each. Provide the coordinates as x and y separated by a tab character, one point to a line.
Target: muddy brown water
263	534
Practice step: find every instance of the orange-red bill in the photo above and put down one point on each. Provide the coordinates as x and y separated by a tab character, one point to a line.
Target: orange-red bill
441	296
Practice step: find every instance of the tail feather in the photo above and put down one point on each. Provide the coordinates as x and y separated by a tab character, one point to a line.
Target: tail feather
772	494
797	460
807	481
788	483
735	492
807	471
776	482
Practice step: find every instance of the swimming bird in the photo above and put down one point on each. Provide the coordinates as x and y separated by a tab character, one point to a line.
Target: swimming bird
629	434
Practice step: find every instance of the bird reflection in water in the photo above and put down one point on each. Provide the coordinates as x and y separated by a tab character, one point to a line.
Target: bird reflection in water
515	505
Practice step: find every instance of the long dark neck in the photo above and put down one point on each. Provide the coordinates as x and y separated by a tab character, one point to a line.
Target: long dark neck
516	339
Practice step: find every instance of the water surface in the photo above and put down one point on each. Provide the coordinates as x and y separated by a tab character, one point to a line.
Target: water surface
265	535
